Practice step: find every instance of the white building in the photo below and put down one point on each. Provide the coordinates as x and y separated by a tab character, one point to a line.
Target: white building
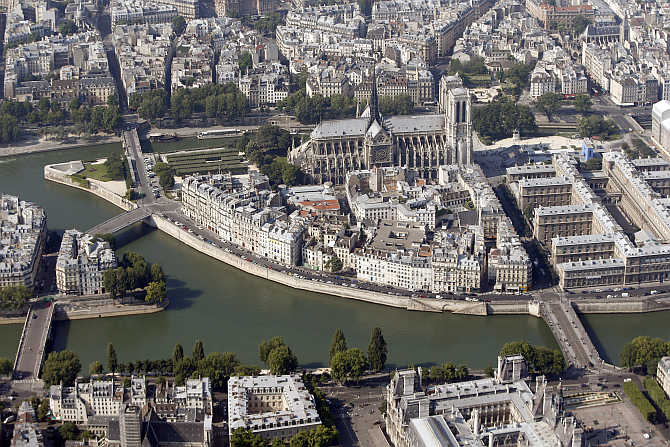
541	82
273	407
82	263
242	217
23	227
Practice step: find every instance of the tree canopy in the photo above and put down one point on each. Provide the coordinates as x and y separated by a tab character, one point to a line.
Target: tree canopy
348	365
501	118
540	360
178	25
596	125
377	350
548	104
277	356
448	373
643	353
61	366
14	298
339	344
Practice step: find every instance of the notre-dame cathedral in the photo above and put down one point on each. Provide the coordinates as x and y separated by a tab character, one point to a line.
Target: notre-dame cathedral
419	143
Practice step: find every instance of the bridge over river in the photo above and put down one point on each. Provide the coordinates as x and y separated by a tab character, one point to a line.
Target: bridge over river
32	344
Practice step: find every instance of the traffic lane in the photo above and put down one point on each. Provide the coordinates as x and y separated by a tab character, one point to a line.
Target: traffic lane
29	355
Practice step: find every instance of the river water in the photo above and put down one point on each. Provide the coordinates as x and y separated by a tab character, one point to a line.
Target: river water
232	311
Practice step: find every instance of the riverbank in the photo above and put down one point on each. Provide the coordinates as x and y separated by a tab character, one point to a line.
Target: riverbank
52	173
48	146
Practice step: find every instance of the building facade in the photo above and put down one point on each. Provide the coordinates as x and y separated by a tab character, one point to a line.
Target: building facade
81	264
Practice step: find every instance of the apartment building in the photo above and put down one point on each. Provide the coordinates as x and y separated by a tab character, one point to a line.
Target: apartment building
561	221
81	264
243	217
663	374
548	191
83	400
516	173
23	228
541	82
595	272
581	248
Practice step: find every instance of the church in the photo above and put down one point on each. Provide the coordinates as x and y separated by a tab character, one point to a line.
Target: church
420	143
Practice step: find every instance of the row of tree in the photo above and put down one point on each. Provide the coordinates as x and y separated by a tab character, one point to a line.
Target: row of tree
549	103
13	298
134	273
319	437
224	102
658	397
540	360
14	114
349	364
638	398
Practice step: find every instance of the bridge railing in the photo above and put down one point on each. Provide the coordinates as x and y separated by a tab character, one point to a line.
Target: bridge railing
22	339
43	340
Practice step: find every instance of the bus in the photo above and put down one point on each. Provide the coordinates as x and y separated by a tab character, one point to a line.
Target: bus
218	133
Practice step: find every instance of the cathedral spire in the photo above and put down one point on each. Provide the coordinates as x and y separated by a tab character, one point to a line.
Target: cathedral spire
374	102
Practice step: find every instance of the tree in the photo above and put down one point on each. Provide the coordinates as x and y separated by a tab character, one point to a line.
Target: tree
583	104
500	118
67	27
5	366
14	297
377	350
157	274
579	24
112	361
592	125
348	365
281	360
218	366
643	351
43	410
177	354
198	351
61	367
245	438
489	371
68	431
548	104
266	347
178	25
334	264
339	344
9	128
156	292
95	368
244	61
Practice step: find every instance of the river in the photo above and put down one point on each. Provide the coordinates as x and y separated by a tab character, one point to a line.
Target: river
232	311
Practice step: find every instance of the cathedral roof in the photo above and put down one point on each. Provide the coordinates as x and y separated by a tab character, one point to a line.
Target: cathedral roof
415	123
339	128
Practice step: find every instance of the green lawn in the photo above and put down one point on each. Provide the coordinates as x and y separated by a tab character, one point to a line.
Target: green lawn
187	144
98	172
